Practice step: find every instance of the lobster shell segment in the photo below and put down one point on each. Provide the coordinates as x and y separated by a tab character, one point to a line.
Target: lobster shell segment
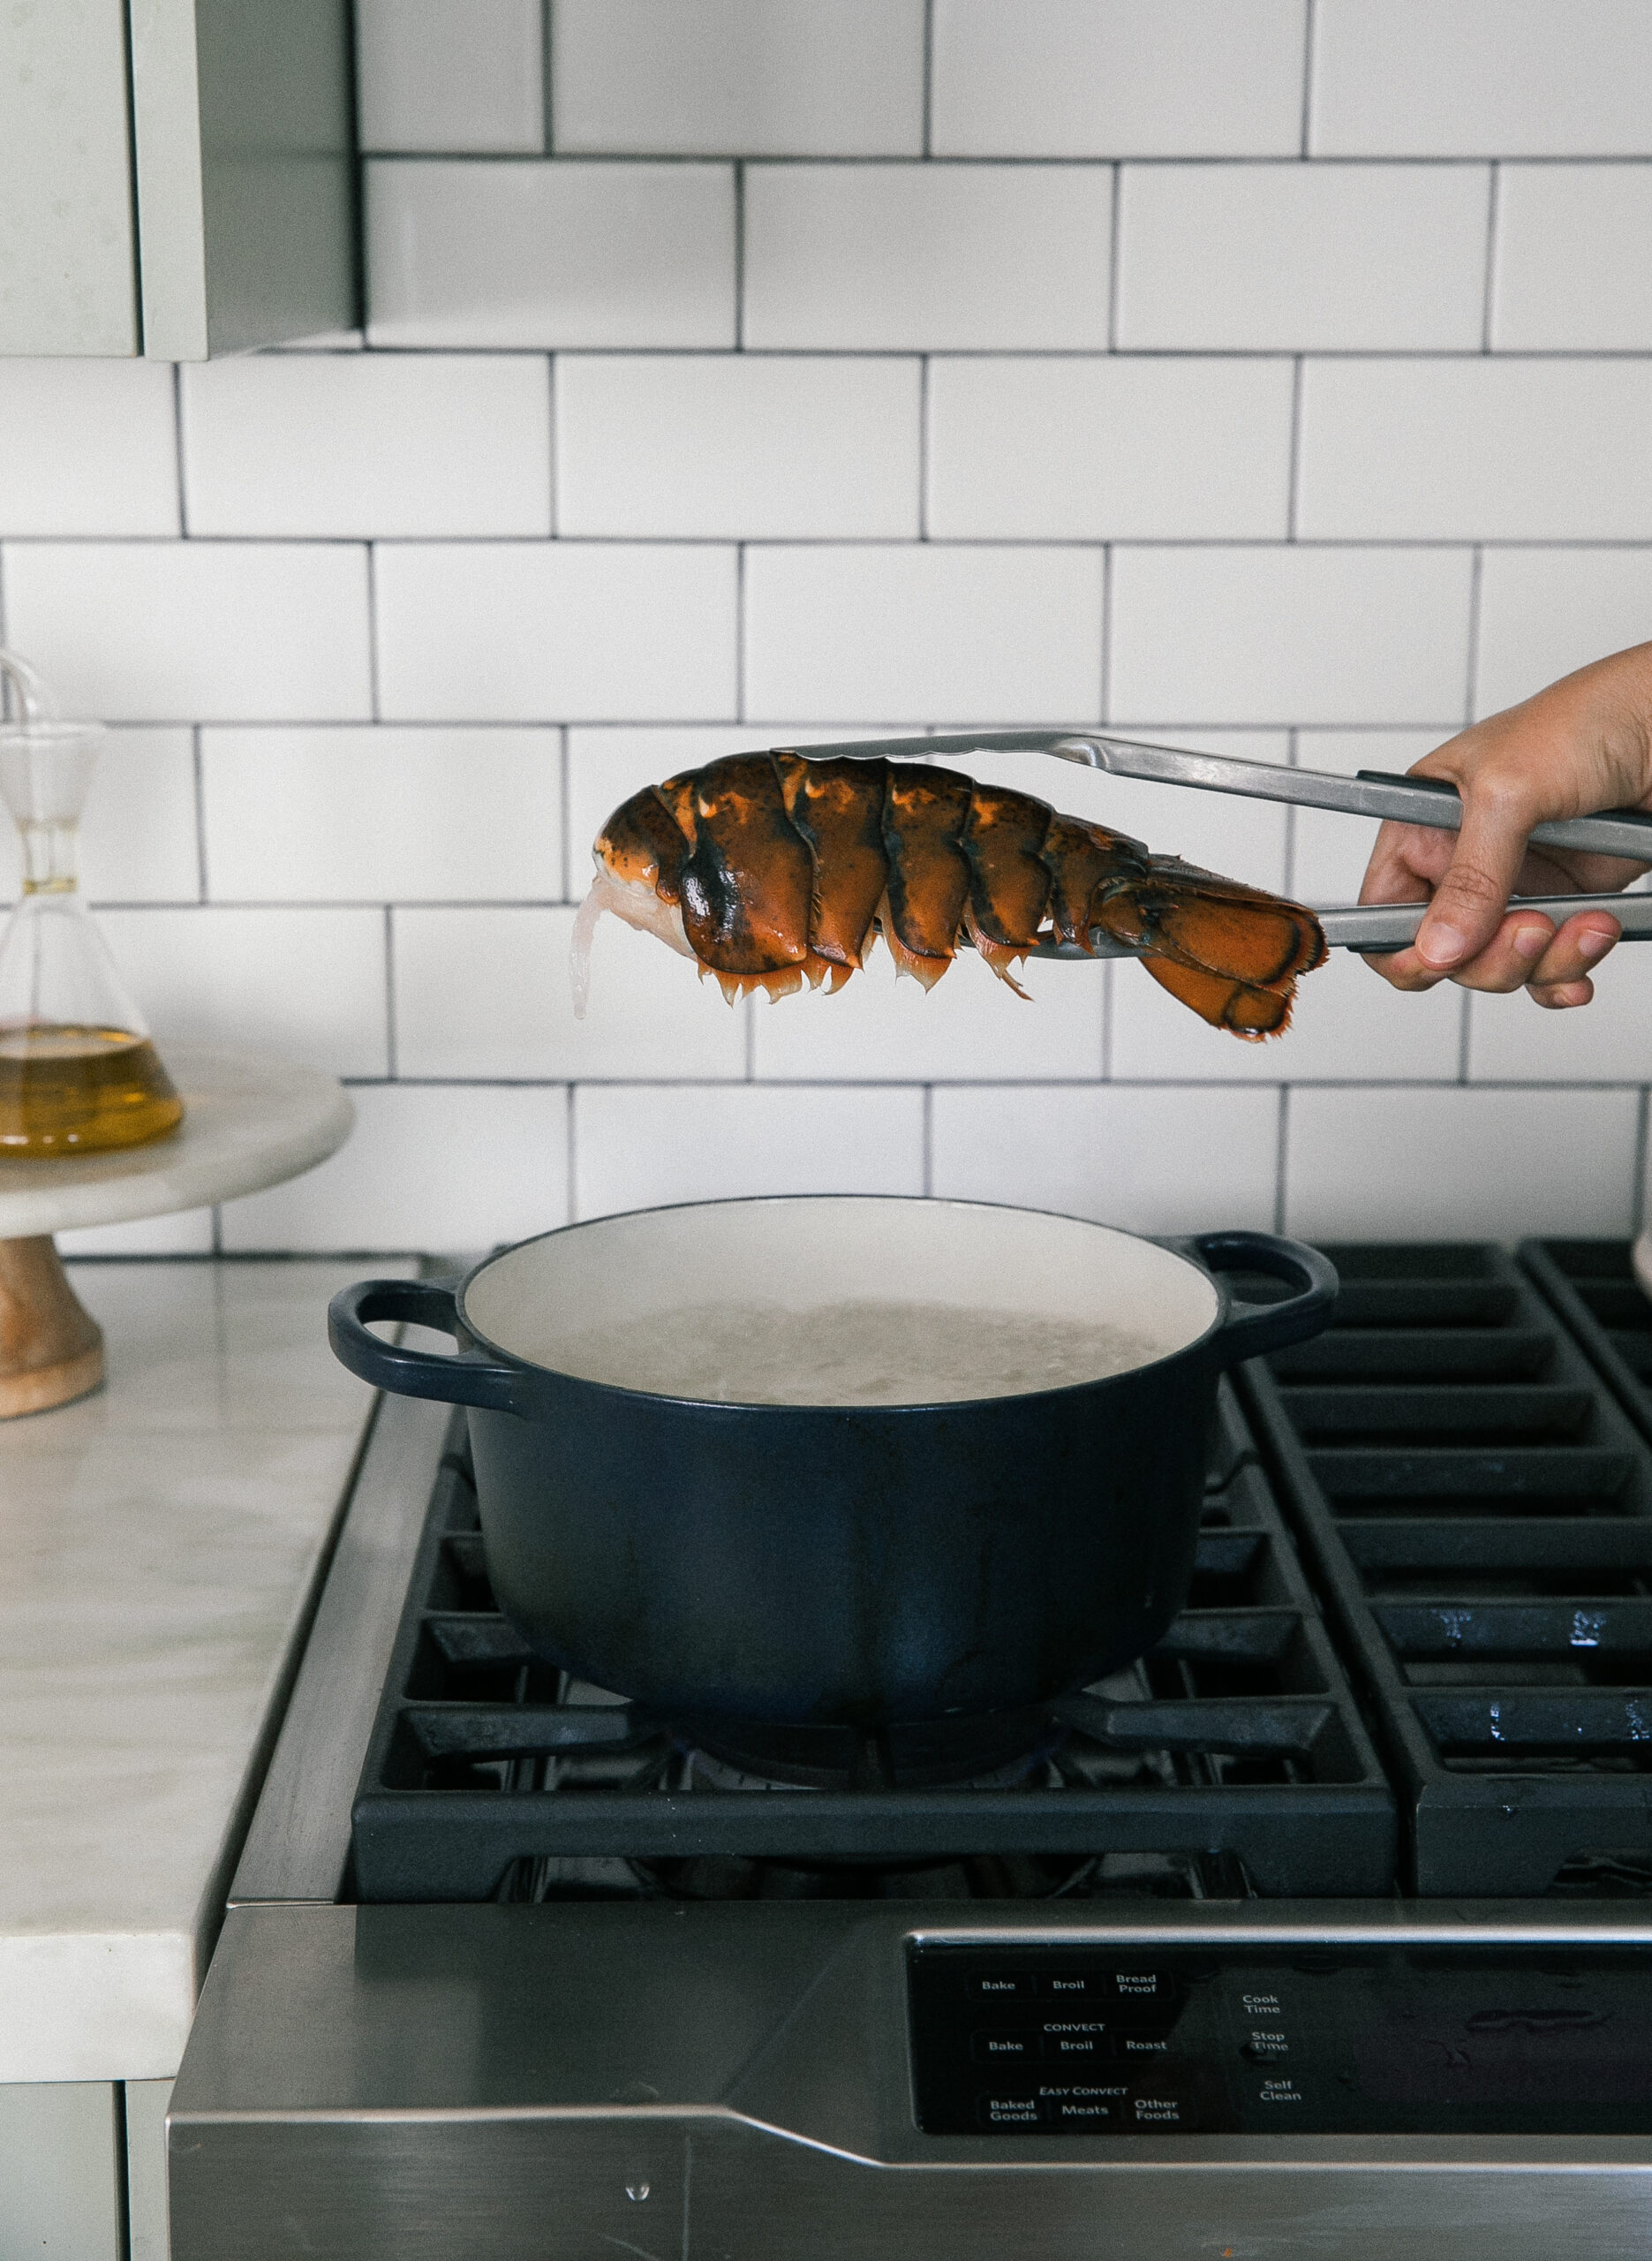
770	870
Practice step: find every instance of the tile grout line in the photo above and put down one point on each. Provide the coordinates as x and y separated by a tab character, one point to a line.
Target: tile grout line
390	1047
1281	1157
570	1153
1475	575
198	762
1638	1191
548	122
1106	630
1465	1033
740	633
1294	470
1493	200
929	78
923	446
372	633
177	450
1113	259
928	1137
1309	28
739	256
554	498
565	810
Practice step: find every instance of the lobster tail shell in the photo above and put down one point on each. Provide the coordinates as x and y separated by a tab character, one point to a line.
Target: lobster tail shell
772	870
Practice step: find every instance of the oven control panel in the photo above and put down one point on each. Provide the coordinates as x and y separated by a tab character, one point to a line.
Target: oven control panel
1035	2038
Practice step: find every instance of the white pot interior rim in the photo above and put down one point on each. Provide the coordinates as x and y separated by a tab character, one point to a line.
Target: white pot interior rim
805	1251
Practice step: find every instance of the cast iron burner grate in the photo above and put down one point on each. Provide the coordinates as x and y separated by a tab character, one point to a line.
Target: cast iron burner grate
1478	1510
1592	1284
1231	1759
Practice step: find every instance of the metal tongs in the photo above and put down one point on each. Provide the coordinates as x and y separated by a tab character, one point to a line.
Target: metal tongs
1374	928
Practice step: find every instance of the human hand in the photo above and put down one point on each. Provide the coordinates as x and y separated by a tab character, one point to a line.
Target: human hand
1583	744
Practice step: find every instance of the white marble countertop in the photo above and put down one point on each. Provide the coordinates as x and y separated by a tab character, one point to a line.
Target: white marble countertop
157	1543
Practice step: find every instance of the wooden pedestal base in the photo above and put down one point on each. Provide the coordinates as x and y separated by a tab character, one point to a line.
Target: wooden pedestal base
51	1349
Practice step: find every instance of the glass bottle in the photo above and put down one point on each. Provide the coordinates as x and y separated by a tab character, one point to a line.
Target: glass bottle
77	1071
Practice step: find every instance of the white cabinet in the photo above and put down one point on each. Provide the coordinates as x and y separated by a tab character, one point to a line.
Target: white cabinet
177	176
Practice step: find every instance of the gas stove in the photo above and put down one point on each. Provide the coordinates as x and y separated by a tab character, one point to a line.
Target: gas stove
1324	1926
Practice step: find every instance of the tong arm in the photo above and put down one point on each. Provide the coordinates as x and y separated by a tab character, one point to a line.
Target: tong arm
1372	793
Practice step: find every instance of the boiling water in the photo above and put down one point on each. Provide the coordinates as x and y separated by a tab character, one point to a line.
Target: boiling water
70	1090
756	1353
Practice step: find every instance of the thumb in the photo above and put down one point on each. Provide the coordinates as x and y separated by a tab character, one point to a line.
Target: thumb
1469	901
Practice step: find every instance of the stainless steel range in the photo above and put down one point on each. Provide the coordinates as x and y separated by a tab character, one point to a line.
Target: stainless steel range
1324	1929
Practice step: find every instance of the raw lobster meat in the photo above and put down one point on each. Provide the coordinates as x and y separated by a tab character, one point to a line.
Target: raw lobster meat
770	871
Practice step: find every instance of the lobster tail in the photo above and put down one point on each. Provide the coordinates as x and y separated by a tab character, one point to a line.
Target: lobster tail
771	870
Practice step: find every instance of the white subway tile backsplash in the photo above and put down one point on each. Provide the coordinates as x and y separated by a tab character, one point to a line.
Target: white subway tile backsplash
485	994
1118	78
558	253
900	258
745	78
1109	449
451	75
1480	77
207	631
443	1171
1573	265
1492	449
303	985
1292	634
924	631
1459	1164
1329	852
1176	1160
1544	612
1304	258
137	840
86	447
523	632
1511	1040
636	1145
970	1028
382	816
367	443
738	447
1347	1026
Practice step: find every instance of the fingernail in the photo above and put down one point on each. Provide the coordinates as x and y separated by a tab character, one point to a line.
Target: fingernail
1593	944
1438	944
1574	992
1528	941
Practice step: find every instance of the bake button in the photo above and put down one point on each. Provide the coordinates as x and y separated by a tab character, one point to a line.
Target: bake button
1003	2048
1154	2106
996	2110
1002	1986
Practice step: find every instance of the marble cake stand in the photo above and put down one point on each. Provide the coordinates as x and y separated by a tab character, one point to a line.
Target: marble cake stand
248	1123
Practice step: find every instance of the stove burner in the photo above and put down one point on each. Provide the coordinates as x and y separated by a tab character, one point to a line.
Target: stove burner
1235	1750
985	1753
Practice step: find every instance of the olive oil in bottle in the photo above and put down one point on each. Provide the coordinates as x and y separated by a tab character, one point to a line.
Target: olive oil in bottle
77	1071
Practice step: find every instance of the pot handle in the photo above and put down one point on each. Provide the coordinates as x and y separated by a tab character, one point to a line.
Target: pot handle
1250	1329
468	1379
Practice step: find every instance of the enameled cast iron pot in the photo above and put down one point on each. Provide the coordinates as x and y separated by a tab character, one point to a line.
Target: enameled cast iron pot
871	1565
